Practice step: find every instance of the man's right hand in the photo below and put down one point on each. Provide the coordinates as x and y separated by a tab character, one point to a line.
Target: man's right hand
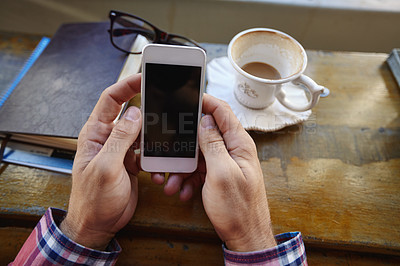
234	195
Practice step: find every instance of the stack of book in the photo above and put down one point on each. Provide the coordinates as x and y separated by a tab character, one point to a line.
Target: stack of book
43	111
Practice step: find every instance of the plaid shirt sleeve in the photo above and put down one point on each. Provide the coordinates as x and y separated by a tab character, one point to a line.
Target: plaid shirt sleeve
47	245
289	251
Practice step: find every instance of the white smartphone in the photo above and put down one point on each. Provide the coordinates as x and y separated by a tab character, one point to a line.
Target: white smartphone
172	89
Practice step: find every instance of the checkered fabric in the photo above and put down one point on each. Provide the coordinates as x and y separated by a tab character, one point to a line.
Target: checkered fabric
290	251
47	245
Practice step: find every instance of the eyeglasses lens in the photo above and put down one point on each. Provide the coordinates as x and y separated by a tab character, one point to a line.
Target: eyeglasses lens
126	28
177	40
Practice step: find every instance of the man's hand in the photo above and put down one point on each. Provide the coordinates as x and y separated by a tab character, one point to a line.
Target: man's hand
104	183
234	195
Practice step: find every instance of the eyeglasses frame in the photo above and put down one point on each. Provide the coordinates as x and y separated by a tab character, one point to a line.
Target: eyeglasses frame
161	37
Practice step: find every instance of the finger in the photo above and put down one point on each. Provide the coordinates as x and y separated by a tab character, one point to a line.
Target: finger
186	191
130	162
158	178
122	136
174	183
100	123
136	144
138	161
219	163
112	98
234	135
189	186
222	113
211	142
201	167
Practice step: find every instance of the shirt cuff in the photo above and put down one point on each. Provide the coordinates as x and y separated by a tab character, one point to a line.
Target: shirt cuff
58	248
290	250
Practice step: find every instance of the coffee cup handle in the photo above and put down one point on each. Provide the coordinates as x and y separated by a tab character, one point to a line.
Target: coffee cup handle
311	86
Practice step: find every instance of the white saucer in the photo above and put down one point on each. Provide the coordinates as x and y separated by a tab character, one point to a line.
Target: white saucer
221	79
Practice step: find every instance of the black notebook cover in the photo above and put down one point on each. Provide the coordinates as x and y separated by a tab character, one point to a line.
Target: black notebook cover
58	93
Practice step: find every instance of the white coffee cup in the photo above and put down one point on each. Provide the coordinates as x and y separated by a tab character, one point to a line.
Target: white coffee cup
278	50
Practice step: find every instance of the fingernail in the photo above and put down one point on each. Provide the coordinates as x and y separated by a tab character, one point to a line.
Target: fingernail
132	114
208	122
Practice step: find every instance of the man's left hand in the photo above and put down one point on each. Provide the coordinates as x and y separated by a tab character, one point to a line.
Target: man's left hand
104	184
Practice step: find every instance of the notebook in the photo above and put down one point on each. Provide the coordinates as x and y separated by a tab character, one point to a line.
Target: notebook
52	101
58	93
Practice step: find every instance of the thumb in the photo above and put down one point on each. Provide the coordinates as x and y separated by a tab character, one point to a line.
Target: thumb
211	142
123	135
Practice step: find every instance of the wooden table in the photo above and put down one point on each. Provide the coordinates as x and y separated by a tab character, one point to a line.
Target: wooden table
335	178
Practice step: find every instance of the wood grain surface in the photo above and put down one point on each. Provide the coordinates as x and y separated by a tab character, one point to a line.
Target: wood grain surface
335	178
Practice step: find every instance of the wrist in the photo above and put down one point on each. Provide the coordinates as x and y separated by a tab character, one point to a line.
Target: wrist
258	237
251	243
84	236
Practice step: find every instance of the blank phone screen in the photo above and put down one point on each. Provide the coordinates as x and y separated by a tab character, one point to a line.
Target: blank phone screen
171	110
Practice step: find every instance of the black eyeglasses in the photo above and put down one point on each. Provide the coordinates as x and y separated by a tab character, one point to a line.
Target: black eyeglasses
124	29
